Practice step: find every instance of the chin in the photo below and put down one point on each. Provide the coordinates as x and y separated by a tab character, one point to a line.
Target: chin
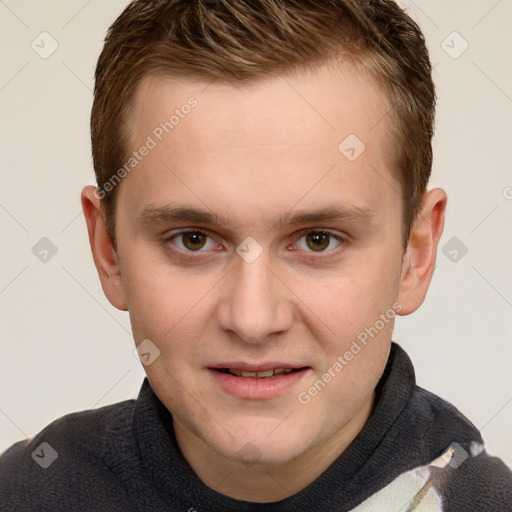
261	445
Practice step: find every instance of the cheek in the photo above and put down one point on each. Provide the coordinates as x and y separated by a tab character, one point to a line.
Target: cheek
354	298
158	295
359	314
150	303
171	308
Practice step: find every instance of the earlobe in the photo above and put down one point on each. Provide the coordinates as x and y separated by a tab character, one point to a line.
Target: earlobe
420	258
103	252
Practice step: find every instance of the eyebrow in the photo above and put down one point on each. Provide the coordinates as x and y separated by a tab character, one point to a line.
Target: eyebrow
174	213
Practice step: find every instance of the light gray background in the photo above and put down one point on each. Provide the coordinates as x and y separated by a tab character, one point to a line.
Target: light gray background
65	348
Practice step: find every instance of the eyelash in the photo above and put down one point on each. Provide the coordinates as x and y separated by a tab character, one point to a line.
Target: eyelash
189	255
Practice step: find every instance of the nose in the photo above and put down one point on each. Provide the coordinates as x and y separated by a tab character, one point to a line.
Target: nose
255	301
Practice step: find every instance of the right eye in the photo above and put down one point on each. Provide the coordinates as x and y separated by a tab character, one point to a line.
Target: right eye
192	241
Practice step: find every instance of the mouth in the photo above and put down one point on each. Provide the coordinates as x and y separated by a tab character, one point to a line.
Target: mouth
258	382
264	374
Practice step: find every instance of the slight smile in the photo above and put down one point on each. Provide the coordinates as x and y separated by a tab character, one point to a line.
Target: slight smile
257	382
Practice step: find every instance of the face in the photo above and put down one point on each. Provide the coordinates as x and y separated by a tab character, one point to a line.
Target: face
249	240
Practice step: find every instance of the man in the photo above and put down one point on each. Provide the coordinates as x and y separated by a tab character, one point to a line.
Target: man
262	213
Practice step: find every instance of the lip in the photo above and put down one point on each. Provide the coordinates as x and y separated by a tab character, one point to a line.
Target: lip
253	388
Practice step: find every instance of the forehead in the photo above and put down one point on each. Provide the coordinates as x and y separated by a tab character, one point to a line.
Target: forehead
331	98
274	140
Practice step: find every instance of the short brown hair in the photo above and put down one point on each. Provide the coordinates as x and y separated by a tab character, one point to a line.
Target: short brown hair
242	40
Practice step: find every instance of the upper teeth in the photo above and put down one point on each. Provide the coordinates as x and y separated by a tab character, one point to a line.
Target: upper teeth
265	373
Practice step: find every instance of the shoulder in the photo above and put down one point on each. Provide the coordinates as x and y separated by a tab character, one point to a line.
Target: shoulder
473	479
89	430
481	482
440	422
72	452
455	481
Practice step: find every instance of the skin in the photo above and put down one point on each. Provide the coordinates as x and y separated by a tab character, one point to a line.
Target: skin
250	154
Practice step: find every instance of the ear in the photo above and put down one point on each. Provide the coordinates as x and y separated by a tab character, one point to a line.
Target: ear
420	258
103	252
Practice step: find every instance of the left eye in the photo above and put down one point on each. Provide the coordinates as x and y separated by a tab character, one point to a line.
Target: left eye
318	241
